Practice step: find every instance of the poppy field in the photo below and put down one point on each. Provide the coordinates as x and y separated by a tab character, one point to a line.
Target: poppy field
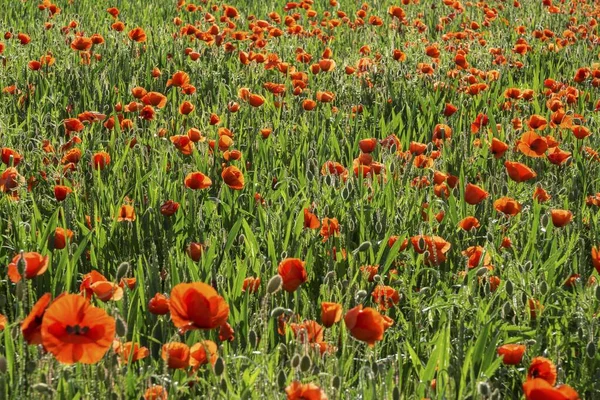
305	200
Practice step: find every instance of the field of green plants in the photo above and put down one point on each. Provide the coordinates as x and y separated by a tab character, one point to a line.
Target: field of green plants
302	200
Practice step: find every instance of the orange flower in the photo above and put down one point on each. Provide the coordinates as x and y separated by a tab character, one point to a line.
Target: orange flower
498	148
197	306
59	239
512	354
331	313
155	99
100	160
474	194
226	333
539	389
233	177
561	218
541	195
186	108
329	227
179	79
256	100
293	273
195	250
310	220
596	258
35	265
542	368
304	391
202	353
6	154
61	192
126	213
507	206
159	304
532	145
519	172
580	131
308	104
325	97
176	354
197	181
75	331
137	35
169	208
183	143
106	291
73	125
130	349
311	330
81	43
31	327
3	322
367	145
10	180
469	223
366	324
436	246
385	296
251	284
156	392
537	122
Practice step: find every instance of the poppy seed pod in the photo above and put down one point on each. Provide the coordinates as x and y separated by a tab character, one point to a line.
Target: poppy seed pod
305	363
274	285
295	361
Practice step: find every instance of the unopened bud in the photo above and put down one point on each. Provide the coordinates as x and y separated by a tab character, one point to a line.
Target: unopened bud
274	284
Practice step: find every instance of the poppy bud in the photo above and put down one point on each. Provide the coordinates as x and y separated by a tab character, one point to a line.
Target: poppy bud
484	389
396	393
219	366
507	311
590	349
252	338
543	288
360	296
122	271
364	246
277	312
274	285
295	361
597	293
42	388
281	379
482	271
509	287
336	382
305	363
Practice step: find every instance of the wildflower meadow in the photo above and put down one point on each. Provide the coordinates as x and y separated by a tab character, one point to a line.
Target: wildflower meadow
321	199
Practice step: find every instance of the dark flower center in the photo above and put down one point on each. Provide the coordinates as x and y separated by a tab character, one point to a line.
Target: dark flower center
77	330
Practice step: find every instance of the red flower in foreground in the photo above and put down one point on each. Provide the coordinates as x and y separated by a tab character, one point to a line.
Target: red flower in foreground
75	331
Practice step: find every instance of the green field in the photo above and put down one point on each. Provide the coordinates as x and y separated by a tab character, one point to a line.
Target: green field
268	200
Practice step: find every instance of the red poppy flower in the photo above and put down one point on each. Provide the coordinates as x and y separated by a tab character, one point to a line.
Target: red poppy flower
197	306
197	181
31	327
176	355
35	265
331	313
293	273
159	304
75	331
512	354
519	172
366	325
233	177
